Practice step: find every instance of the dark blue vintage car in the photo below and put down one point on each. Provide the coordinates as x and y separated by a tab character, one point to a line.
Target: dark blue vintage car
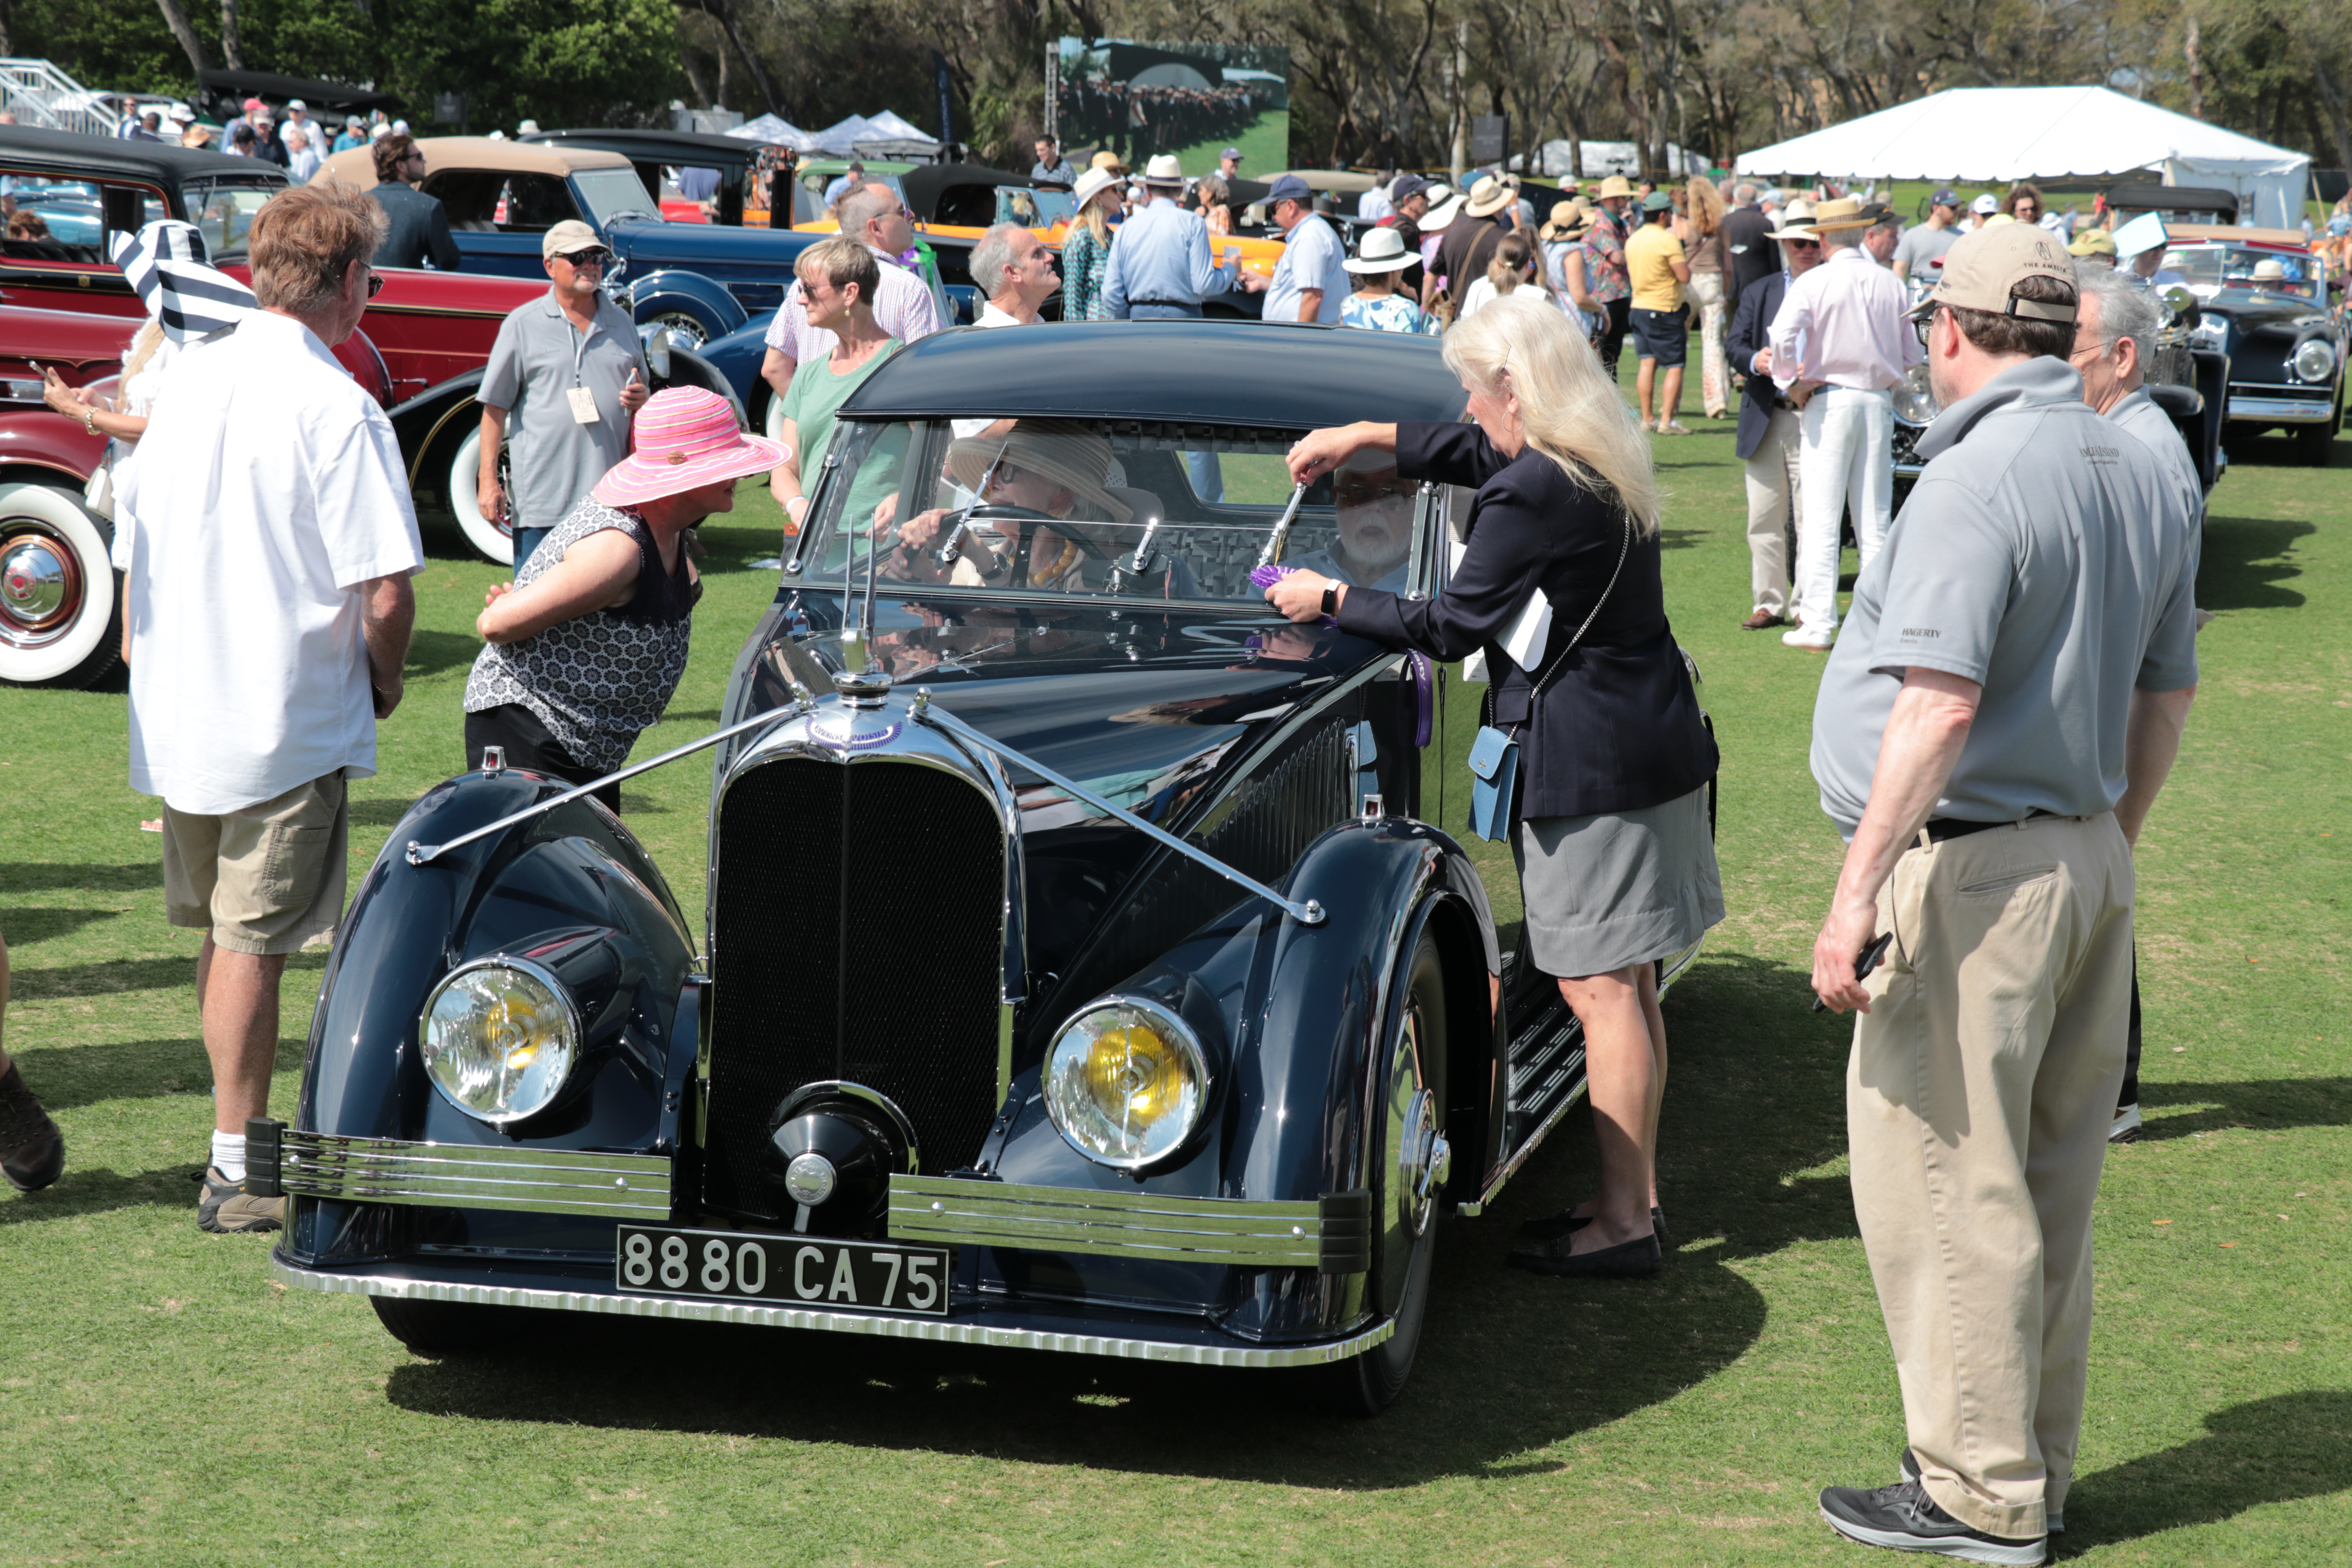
1085	966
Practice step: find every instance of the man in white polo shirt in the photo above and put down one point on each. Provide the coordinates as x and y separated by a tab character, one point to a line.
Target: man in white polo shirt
903	305
267	538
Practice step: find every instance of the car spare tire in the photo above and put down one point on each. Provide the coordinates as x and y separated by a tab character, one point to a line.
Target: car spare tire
61	614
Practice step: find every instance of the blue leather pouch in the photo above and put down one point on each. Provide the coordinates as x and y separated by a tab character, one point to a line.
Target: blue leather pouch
1494	782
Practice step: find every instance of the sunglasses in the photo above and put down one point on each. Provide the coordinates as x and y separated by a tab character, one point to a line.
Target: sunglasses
376	282
596	258
1803	244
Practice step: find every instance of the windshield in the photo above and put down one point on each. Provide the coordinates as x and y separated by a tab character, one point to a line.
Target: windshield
1033	208
1063	507
225	213
2211	268
608	194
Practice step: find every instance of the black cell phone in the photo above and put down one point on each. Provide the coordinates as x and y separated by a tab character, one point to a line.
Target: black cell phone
1863	962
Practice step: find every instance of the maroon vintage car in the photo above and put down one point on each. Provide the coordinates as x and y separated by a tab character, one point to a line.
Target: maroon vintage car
59	623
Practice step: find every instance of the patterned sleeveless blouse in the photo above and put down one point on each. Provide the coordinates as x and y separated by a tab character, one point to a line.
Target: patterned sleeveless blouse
598	679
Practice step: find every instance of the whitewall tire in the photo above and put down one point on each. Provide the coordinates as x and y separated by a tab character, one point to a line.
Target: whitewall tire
492	538
60	622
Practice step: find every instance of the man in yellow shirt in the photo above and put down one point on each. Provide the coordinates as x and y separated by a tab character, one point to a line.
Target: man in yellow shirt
1660	319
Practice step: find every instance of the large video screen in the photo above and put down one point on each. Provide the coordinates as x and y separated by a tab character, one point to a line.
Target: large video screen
1142	99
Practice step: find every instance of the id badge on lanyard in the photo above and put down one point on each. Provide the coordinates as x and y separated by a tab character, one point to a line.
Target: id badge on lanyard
583	400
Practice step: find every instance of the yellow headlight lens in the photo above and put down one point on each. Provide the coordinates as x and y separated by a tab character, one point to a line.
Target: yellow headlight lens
1126	1082
499	1040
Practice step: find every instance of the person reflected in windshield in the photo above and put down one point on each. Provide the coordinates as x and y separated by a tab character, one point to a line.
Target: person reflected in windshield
1374	546
1050	469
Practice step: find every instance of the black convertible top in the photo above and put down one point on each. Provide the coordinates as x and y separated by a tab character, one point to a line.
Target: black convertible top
924	185
69	152
314	93
1207	371
2173	199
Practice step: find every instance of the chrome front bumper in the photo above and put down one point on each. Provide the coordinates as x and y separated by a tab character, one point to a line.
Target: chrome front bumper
2285	410
466	1176
1332	1235
1185	1343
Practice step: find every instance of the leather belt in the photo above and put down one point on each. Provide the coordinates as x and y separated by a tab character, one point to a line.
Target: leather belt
1939	828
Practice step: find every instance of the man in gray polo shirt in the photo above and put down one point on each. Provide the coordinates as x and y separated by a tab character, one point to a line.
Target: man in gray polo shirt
1991	730
566	375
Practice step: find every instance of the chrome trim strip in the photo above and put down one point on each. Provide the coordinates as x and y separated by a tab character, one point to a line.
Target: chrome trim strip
932	1328
2285	410
466	1175
1106	1224
1309	913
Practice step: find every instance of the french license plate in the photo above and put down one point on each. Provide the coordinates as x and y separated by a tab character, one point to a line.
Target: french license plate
803	1271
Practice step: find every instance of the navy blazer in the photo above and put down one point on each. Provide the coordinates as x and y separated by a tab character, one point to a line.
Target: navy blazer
420	228
1751	329
1619	728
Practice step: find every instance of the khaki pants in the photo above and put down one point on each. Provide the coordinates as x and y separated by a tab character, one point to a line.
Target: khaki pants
1774	504
265	878
1978	1097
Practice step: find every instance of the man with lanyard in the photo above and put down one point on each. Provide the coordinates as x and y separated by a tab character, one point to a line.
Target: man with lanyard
903	307
2113	338
1989	737
1840	340
1051	165
1160	264
1605	278
569	373
1770	436
1310	282
1921	247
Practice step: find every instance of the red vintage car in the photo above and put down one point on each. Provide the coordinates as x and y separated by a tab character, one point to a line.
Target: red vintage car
58	620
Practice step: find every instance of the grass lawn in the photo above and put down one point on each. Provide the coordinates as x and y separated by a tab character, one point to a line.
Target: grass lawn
165	1403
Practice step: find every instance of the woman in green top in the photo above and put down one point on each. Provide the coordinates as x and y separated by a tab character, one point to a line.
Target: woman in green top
1086	247
838	278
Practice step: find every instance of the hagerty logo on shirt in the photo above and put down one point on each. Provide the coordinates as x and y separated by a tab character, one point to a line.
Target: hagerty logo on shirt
2101	453
1921	632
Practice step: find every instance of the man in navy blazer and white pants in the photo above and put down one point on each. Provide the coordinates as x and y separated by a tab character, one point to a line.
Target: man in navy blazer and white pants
1770	432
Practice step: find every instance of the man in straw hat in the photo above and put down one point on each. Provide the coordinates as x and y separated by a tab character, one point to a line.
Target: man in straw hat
1159	262
1605	278
1771	435
264	527
1839	339
1052	470
1989	734
583	653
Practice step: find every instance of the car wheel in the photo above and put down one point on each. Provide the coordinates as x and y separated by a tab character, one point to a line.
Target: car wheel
493	538
691	332
436	1330
60	616
1412	1166
2315	443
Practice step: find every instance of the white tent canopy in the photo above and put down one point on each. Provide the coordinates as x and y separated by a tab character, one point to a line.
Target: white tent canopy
779	132
1996	134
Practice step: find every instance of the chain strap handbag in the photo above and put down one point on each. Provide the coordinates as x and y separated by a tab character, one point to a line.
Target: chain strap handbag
1494	754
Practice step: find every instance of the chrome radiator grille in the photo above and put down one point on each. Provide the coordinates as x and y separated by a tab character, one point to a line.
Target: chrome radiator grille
859	925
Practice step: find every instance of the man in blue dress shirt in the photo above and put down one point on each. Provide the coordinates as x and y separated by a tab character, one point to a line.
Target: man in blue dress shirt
1160	263
1311	278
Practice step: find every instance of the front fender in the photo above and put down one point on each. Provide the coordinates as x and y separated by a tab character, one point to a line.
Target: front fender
676	291
572	888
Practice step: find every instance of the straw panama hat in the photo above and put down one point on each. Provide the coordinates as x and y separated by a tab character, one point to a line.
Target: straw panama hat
686	438
1796	220
1488	196
1382	251
1840	214
1091	184
1106	159
1445	205
1069	454
1616	186
1163	170
1568	221
2092	242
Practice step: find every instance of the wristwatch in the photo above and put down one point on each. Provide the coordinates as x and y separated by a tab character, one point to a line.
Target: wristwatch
1330	598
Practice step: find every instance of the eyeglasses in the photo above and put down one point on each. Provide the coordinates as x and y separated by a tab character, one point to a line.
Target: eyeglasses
376	282
596	258
1925	325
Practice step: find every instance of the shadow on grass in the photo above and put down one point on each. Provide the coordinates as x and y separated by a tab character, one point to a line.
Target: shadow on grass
88	1192
2278	1450
47	876
2239	567
430	652
27	926
70	1075
378	813
112	976
2263	1105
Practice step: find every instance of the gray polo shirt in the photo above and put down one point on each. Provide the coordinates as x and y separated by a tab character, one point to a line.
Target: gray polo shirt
538	358
2138	413
2043	554
1921	245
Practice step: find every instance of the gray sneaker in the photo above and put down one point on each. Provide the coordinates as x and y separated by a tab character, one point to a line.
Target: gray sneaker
226	1209
32	1150
2056	1519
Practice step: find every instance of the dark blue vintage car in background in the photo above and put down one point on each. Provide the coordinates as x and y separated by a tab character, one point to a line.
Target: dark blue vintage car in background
1085	966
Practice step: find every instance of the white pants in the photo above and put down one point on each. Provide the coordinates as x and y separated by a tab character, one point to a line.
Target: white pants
1846	457
1774	491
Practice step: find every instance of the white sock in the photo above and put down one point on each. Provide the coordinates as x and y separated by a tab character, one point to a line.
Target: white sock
228	1154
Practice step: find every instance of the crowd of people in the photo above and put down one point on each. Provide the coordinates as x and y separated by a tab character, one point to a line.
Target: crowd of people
1137	123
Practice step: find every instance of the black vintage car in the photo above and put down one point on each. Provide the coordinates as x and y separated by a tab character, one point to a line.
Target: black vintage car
2269	302
1085	966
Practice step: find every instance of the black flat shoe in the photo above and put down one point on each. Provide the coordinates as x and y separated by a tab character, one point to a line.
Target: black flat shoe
1567	1222
1637	1259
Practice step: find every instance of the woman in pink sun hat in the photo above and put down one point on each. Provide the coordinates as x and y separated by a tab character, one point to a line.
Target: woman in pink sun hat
588	645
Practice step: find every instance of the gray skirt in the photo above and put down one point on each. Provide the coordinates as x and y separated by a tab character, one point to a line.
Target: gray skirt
1617	889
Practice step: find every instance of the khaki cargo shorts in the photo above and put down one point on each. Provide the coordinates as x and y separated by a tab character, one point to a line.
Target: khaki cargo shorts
263	880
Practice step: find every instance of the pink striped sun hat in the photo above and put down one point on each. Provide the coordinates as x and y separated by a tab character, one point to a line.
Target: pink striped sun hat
686	438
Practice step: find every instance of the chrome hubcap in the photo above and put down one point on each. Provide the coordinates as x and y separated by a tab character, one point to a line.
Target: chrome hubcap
1425	1162
40	587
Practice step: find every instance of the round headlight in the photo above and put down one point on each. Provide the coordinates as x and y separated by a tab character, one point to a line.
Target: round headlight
1126	1082
2314	360
1913	402
498	1038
